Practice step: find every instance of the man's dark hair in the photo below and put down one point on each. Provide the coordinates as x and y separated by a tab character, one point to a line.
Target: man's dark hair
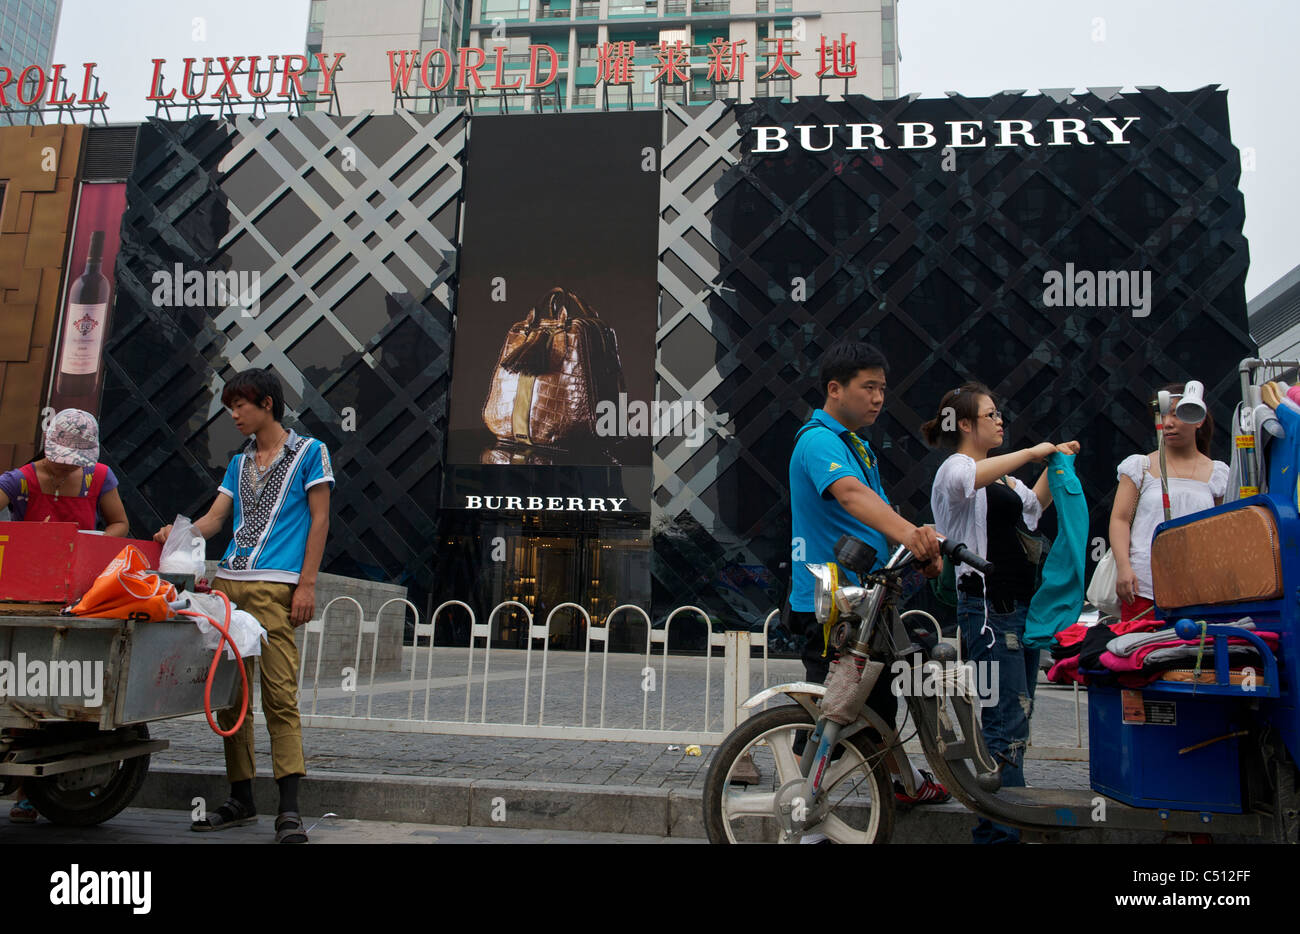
842	361
255	386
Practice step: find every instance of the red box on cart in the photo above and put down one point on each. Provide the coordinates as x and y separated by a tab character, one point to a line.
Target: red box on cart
55	562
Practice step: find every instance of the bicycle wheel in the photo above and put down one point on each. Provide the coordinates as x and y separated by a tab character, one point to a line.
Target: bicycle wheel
857	805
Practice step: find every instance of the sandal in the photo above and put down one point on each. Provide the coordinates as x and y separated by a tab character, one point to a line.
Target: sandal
233	813
288	828
23	813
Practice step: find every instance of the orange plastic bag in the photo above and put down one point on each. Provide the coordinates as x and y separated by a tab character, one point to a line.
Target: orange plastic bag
126	589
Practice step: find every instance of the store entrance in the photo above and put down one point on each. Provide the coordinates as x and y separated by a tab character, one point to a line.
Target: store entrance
544	572
543	563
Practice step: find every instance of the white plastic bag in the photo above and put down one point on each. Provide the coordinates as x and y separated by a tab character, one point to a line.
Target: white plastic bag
1101	590
184	550
247	633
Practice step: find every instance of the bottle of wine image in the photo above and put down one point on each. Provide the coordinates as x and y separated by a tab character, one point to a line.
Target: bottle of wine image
84	324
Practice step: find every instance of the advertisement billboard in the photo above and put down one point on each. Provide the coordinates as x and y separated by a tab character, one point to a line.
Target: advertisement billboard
557	295
78	376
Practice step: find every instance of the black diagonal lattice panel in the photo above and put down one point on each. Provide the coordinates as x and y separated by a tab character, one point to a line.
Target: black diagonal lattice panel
349	225
941	262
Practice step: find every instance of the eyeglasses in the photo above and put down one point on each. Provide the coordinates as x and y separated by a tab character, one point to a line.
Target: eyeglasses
995	416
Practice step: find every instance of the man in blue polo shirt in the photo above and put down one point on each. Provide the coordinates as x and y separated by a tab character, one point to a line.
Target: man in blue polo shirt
835	490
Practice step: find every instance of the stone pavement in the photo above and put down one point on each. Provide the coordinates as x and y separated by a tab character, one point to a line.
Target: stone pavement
547	785
149	826
390	773
595	762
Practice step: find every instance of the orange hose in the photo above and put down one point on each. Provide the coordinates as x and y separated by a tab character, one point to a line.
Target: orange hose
212	669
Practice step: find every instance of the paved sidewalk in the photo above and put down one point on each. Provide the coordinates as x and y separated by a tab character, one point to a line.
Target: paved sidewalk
193	744
514	688
146	825
551	786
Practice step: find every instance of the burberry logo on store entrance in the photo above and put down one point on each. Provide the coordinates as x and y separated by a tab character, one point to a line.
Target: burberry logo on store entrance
548	503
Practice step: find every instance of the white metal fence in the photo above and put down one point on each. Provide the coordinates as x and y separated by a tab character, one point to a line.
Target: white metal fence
432	695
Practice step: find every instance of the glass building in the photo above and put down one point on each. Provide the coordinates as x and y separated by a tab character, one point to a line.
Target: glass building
27	29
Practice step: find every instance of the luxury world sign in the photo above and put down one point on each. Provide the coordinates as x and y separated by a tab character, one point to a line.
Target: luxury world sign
254	78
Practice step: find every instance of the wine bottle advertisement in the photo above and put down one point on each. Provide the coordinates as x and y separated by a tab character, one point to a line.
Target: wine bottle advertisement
77	377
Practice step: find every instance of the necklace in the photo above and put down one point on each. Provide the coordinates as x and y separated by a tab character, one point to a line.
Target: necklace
1176	474
259	474
59	482
270	459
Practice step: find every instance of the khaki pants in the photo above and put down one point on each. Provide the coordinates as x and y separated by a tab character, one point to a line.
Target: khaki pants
269	604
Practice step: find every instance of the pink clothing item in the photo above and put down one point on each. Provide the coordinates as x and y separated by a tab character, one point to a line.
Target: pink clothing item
1066	671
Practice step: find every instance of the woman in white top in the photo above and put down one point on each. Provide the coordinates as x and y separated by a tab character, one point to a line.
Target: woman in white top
976	503
1195	482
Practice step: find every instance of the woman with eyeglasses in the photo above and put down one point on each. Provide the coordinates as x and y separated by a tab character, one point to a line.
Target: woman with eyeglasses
977	503
1195	482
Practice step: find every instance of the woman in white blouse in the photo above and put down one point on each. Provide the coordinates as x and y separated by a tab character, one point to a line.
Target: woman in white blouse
976	503
1195	482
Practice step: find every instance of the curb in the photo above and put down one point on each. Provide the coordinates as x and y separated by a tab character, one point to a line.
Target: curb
462	802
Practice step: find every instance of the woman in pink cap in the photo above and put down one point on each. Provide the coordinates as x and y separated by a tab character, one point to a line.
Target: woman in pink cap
67	484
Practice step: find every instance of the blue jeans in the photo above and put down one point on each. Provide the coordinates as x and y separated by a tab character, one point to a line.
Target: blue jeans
1006	722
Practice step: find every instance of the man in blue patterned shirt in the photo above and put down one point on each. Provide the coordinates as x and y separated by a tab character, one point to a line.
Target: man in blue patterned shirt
278	487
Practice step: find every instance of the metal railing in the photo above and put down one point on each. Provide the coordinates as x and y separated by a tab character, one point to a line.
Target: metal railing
696	719
699	722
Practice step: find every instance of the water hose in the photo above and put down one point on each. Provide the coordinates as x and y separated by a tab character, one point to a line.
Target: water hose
212	669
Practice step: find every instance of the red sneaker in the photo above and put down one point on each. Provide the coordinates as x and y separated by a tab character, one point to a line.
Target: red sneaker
929	792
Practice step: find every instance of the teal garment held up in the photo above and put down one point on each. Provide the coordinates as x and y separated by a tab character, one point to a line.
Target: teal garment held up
1059	599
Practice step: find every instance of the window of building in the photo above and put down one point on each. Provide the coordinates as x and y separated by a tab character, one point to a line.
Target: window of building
630	8
516	49
432	8
516	9
774	87
553	9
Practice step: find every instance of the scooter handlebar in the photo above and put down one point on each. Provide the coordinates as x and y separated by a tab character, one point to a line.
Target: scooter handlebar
960	554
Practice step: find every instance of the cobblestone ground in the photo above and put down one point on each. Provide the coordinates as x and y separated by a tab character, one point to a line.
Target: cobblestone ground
680	695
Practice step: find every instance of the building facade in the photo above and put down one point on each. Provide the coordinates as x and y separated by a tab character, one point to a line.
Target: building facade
367	31
576	377
1275	318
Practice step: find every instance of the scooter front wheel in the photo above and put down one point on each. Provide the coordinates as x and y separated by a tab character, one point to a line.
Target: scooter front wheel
754	781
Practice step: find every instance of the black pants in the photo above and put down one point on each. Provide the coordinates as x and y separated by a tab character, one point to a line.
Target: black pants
816	667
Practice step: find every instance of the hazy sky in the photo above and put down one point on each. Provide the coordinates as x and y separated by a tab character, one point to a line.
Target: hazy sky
976	47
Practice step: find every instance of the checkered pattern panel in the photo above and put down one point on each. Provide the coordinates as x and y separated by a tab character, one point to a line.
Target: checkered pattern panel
348	225
941	265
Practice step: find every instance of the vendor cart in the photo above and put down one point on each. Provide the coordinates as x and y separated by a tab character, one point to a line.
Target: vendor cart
77	694
81	765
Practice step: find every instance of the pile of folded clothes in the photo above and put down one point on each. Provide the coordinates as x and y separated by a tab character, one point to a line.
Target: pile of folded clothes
1135	653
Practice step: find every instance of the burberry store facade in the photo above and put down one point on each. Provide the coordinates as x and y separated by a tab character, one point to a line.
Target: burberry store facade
563	357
